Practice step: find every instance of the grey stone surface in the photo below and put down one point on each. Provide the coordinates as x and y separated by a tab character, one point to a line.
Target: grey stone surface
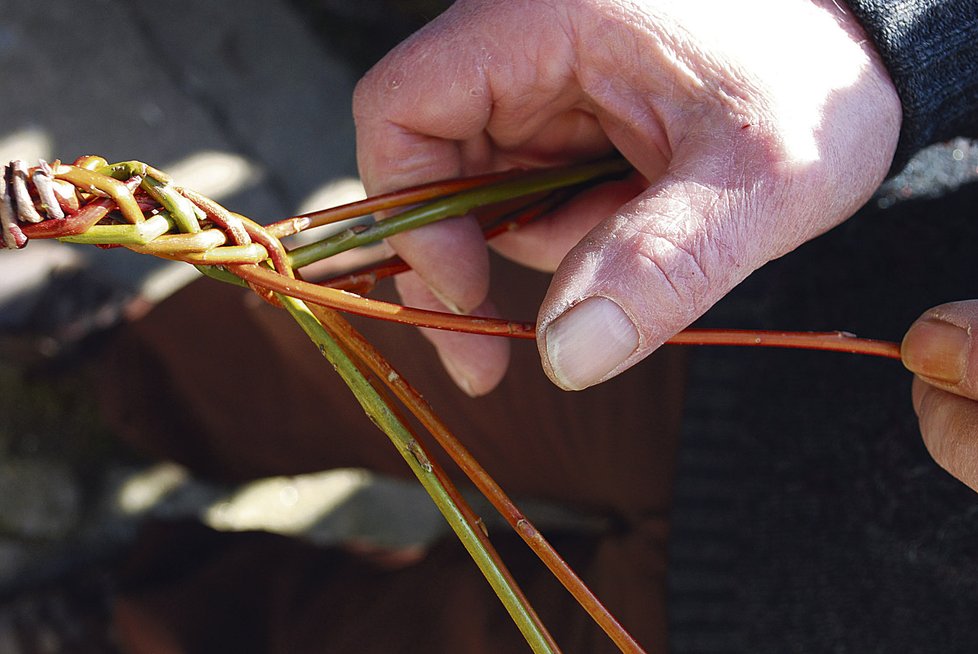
165	82
241	98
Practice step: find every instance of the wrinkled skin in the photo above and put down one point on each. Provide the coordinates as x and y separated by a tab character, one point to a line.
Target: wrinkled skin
750	140
755	126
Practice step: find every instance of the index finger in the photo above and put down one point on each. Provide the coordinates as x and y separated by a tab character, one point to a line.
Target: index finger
404	139
464	96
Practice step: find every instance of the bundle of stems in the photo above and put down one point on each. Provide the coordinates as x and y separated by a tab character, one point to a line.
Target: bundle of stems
133	205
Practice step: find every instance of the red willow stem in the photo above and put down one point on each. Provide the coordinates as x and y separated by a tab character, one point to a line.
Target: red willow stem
365	352
513	217
384	202
364	280
494	223
345	301
260	278
386	382
824	341
80	221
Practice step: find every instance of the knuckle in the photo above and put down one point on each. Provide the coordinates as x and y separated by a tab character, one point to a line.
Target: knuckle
679	264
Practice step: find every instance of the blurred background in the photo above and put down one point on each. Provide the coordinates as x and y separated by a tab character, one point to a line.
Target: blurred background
247	102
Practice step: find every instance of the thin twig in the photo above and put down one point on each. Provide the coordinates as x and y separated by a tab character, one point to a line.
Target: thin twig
482	480
336	348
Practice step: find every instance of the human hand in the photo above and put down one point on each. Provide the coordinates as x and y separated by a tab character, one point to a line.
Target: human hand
941	350
755	127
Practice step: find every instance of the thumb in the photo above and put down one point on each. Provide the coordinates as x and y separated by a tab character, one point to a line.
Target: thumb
666	257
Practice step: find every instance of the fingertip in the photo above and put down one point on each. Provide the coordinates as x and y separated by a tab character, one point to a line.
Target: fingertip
476	363
587	343
940	347
937	350
451	259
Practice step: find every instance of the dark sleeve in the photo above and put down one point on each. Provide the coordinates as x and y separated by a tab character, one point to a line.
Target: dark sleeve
930	48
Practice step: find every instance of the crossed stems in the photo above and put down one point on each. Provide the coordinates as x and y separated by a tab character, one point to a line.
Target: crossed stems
253	244
136	206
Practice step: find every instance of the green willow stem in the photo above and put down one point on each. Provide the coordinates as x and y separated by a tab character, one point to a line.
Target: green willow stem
222	256
141	233
513	199
221	274
175	245
382	202
91	181
455	205
364	351
160	187
181	209
124	169
388	421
